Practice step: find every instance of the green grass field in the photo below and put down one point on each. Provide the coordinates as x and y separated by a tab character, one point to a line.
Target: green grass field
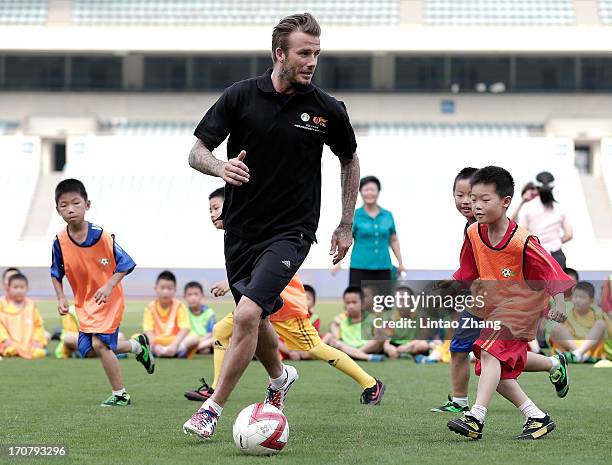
56	402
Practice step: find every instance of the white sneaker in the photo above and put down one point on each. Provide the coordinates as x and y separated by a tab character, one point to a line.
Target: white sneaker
276	397
201	424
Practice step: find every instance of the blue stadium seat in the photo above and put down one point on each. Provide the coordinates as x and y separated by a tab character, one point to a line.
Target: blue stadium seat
605	11
23	12
241	12
499	12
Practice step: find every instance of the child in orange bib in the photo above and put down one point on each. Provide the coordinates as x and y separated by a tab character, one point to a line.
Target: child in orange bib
94	266
512	267
165	319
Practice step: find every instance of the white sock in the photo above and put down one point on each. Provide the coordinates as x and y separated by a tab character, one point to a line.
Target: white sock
182	347
478	412
555	364
463	401
530	410
278	383
120	392
580	357
212	405
136	347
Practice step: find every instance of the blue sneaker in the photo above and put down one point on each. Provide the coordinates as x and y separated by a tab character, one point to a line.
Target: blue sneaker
376	358
423	359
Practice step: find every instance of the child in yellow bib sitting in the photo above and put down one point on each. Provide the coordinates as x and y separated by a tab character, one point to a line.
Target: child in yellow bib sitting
22	333
586	329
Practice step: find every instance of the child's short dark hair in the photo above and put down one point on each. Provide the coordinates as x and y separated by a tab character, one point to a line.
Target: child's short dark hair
498	177
586	287
10	269
572	272
193	285
368	179
353	290
166	275
310	289
404	289
18	277
70	185
217	193
465	173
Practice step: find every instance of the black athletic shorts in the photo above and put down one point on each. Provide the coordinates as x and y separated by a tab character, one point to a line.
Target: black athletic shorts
260	270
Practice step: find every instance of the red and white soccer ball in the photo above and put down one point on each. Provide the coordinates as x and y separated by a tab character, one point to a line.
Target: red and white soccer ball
261	429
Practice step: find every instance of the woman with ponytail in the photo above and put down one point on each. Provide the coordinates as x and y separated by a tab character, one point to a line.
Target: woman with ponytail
545	218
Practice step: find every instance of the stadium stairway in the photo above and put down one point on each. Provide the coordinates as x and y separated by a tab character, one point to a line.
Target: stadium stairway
598	204
41	208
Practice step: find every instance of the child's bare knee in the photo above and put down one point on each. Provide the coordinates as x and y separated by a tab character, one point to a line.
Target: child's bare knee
98	345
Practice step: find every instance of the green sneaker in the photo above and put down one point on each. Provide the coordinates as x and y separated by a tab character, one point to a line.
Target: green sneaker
450	407
571	358
559	377
117	401
145	356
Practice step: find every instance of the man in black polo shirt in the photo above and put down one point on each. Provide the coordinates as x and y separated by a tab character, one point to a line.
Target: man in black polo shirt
277	126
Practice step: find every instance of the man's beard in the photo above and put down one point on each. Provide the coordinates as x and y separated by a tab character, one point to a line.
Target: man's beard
289	74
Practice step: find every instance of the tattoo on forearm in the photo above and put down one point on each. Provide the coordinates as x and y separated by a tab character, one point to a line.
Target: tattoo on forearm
349	175
202	160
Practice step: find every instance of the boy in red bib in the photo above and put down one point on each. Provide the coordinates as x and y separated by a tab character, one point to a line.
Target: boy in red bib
94	265
507	260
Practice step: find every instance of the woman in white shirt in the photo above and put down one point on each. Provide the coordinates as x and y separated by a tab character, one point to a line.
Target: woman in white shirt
545	218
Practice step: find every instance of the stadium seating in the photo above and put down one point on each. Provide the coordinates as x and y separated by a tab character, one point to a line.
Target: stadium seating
158	128
8	126
499	12
151	199
154	201
23	12
606	165
605	11
20	162
451	129
220	12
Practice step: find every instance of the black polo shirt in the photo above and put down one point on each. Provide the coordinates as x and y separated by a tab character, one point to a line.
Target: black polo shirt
283	136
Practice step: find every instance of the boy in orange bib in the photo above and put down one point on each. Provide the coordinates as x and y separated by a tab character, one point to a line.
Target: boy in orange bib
22	333
507	260
166	321
94	265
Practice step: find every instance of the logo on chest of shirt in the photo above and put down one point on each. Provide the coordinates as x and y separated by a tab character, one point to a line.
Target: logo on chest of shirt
104	261
314	124
508	273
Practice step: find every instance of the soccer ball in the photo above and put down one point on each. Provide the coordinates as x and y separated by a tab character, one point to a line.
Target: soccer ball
261	429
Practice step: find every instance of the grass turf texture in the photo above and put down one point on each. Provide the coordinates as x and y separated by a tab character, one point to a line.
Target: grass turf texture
56	402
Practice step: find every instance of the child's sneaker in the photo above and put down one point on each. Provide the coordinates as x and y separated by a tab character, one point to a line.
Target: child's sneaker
450	407
535	428
559	377
145	356
373	395
467	426
117	401
203	393
201	424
